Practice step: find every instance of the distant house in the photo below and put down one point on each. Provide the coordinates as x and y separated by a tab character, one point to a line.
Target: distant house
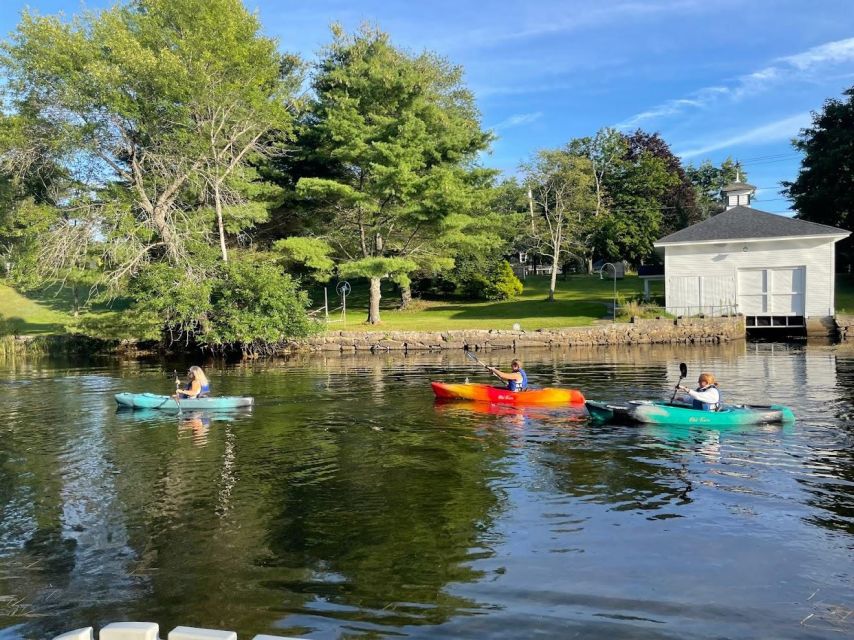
774	270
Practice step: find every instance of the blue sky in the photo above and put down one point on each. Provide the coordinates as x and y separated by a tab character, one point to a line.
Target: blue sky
716	78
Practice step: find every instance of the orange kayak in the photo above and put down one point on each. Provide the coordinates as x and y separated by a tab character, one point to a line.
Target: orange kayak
488	393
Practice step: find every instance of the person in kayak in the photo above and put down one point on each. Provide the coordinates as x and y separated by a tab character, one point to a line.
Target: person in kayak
517	379
198	385
706	396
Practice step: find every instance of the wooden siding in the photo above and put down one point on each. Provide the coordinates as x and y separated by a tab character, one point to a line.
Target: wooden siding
708	274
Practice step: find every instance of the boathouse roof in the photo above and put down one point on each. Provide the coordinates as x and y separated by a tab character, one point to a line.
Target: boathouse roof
745	223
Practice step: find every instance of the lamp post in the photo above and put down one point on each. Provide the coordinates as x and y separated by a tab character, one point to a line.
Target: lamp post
601	269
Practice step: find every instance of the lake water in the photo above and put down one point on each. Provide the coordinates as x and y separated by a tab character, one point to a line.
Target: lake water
349	504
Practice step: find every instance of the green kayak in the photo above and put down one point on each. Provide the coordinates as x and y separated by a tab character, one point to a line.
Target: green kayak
648	412
154	401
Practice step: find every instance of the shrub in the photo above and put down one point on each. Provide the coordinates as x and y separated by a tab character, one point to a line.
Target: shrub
246	304
498	283
256	307
503	283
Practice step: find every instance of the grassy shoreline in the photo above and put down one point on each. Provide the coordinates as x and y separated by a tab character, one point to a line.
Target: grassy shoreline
580	300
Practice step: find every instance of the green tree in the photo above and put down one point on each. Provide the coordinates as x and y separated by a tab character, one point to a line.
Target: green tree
605	151
165	100
823	192
563	196
708	180
388	152
247	304
637	184
679	207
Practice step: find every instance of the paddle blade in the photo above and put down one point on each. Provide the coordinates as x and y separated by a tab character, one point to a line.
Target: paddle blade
471	356
683	369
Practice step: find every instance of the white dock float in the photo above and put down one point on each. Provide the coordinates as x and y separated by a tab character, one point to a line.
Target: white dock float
130	631
151	631
78	634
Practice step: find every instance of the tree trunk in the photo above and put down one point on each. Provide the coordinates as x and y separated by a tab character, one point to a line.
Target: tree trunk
374	307
220	225
405	296
590	266
166	233
76	295
553	284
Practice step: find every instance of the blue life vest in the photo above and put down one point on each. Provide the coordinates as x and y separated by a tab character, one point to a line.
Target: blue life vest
513	385
708	406
206	389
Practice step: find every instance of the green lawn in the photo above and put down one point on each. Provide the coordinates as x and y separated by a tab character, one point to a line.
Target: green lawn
50	312
34	315
580	300
845	293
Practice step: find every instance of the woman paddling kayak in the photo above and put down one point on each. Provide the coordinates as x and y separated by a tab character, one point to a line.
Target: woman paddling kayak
517	379
706	396
197	387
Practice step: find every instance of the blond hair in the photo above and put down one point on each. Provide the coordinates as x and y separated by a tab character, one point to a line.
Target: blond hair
199	375
708	380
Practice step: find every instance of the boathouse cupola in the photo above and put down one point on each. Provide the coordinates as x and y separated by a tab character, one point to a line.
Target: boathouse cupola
738	193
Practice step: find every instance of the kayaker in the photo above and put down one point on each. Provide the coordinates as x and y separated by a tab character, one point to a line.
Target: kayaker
517	379
198	385
706	396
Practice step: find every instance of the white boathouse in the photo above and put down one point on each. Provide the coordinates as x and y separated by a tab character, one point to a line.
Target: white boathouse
774	270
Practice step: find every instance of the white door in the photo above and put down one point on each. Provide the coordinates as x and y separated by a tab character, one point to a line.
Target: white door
717	294
787	291
779	291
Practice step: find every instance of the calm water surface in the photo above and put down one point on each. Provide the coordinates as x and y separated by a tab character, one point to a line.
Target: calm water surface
349	504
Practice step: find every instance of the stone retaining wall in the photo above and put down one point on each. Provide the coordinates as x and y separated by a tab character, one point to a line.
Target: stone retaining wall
688	330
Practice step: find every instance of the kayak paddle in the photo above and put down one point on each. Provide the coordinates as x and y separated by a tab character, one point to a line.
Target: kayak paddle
471	356
177	387
683	373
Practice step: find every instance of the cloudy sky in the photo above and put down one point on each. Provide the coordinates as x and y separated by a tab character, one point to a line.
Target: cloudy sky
716	78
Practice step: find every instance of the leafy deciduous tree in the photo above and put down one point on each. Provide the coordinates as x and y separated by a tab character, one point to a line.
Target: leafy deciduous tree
823	192
152	96
708	180
563	192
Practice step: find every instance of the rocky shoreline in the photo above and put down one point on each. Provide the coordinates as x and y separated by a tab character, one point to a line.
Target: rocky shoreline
639	331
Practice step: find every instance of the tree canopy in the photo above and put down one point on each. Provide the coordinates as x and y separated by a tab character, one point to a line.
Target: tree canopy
823	191
169	153
389	149
152	113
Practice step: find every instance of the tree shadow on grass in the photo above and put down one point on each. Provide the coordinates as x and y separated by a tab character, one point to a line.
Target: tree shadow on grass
16	326
61	298
520	310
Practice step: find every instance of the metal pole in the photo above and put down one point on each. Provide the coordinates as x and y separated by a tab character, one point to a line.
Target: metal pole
344	309
615	291
325	305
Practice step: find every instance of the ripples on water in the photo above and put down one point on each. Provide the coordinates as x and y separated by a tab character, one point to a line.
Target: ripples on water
348	503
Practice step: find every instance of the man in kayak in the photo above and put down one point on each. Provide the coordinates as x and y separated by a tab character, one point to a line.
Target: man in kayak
706	396
197	387
517	379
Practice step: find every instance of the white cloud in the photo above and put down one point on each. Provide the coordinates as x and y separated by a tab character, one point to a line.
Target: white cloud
783	129
832	52
562	17
800	66
517	120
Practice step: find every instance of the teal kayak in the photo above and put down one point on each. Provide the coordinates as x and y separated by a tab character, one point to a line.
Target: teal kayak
648	412
154	401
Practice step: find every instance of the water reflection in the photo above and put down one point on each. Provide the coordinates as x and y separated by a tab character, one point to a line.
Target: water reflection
350	502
